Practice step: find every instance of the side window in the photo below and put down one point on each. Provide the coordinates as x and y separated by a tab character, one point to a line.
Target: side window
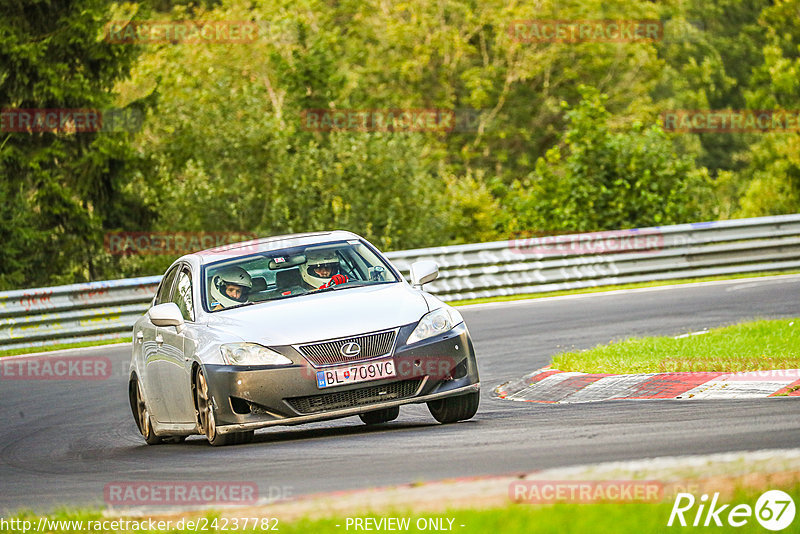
166	285
183	295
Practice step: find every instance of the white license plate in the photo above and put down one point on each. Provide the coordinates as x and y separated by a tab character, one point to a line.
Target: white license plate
353	374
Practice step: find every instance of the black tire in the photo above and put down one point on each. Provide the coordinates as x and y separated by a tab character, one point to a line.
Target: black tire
380	416
452	409
240	438
232	438
207	421
142	415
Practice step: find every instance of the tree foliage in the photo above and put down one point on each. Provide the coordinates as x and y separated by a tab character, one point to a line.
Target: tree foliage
60	190
604	180
559	136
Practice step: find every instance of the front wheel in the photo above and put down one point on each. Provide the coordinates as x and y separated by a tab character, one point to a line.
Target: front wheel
380	416
452	409
207	421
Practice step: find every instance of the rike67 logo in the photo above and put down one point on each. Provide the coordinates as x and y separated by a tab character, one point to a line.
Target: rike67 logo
774	510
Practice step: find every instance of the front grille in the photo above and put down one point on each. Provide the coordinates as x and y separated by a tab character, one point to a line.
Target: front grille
354	397
327	352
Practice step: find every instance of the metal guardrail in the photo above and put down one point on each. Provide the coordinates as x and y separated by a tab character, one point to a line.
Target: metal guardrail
78	312
576	261
107	310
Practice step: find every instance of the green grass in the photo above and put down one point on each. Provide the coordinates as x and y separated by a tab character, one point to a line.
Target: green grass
62	346
628	518
565	518
603	289
751	346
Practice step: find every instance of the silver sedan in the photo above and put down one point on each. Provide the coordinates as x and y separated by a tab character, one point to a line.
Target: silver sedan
294	329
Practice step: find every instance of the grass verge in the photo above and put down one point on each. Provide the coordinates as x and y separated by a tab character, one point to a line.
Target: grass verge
597	518
567	518
63	346
751	346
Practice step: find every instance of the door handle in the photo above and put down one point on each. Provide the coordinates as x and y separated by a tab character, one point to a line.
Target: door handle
159	340
139	336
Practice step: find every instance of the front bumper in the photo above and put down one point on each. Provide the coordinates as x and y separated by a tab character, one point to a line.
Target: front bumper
248	398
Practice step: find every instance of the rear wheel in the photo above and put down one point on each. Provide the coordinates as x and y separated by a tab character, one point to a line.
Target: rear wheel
380	416
142	415
207	421
454	409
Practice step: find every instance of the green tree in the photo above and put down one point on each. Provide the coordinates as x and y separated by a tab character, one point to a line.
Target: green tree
772	176
599	179
61	190
709	50
232	152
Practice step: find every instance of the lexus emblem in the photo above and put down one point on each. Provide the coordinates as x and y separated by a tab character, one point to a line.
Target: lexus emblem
350	350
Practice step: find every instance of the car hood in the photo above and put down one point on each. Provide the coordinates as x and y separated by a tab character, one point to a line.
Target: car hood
328	315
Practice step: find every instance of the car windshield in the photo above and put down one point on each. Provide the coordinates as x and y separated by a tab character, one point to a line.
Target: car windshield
291	272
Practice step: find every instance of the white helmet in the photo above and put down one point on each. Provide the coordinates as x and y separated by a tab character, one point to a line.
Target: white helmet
233	276
319	258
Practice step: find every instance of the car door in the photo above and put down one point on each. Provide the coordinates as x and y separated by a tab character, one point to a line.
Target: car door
151	366
175	350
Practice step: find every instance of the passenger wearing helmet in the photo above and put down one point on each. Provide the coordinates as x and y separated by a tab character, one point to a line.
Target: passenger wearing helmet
230	287
322	270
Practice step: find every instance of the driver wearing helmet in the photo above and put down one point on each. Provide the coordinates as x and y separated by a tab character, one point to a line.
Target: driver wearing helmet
230	287
322	270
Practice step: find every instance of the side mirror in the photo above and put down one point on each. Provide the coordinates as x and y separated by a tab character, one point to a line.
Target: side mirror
423	272
167	314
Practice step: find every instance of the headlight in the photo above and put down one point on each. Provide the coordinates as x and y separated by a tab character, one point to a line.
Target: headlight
435	323
251	354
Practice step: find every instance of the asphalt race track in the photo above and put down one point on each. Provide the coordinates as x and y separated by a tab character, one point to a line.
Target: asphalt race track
61	442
